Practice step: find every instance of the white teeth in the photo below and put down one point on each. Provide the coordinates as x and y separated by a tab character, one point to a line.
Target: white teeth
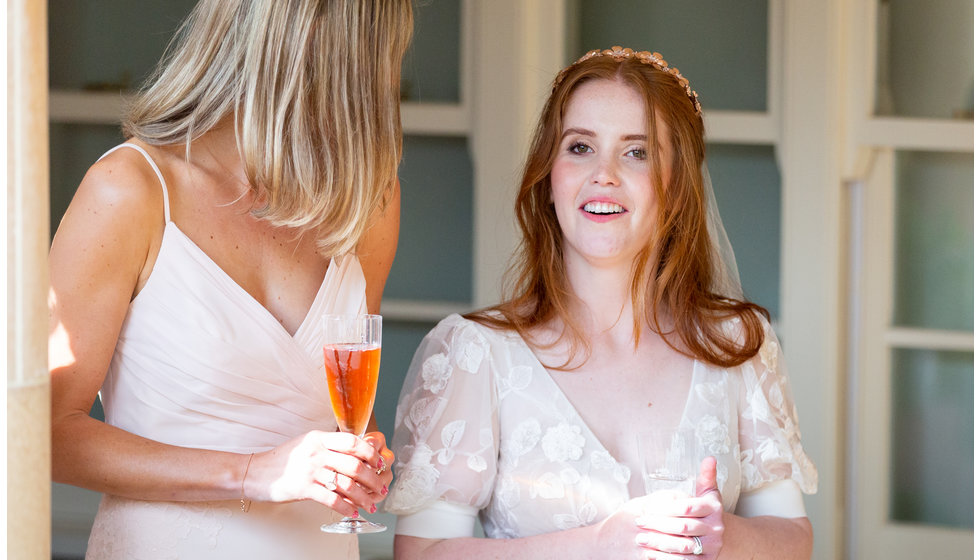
603	208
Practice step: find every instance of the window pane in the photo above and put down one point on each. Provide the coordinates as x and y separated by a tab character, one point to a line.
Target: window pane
435	247
721	47
925	59
110	44
74	148
431	70
932	438
747	187
934	240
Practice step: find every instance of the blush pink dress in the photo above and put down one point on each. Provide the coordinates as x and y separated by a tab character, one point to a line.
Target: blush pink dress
200	363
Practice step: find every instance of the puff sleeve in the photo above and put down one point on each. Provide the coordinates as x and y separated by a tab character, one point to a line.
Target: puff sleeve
446	430
769	433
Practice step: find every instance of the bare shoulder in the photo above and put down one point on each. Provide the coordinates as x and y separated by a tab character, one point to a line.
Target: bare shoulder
113	221
122	183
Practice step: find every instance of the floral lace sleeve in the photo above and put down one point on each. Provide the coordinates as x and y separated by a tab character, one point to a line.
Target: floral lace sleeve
769	433
446	433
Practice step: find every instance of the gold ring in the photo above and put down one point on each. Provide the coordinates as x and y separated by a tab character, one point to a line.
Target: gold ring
383	468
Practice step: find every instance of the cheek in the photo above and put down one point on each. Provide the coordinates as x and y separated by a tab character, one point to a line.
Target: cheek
562	182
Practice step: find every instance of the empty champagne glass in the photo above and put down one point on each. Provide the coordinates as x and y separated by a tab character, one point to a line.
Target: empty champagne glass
670	459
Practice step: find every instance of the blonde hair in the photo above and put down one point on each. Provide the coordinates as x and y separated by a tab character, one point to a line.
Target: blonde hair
313	87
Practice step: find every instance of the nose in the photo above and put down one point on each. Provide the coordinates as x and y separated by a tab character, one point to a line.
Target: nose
606	172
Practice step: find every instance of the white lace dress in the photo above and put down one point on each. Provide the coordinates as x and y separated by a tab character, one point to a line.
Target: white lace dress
481	424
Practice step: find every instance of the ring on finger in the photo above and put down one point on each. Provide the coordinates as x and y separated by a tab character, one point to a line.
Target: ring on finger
383	467
332	485
698	550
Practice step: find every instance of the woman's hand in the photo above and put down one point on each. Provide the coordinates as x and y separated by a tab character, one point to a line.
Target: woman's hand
337	469
618	536
662	524
671	520
377	439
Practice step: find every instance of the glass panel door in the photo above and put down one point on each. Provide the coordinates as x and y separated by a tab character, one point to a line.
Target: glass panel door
913	453
911	450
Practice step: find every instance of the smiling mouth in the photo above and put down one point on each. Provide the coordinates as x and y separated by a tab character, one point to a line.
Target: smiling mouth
603	208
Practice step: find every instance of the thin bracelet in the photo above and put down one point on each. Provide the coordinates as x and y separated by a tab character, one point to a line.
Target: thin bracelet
246	504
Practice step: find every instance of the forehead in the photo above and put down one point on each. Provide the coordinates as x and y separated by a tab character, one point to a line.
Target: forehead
613	106
606	99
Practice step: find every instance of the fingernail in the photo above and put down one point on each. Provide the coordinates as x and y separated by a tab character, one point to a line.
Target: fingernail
384	490
642	539
381	463
374	508
355	514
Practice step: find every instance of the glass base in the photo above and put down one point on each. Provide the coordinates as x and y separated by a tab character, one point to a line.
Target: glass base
353	525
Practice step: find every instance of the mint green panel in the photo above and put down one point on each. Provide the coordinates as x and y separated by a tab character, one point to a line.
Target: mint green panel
74	148
435	247
721	47
431	70
932	438
934	240
109	44
747	187
925	59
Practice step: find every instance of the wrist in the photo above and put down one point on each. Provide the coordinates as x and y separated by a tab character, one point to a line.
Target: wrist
600	536
246	503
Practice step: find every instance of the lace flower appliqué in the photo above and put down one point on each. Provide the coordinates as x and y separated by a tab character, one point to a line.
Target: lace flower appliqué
416	481
713	434
586	515
563	442
604	461
470	351
522	440
435	372
769	354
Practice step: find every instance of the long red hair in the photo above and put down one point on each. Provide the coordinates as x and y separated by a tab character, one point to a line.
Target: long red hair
674	273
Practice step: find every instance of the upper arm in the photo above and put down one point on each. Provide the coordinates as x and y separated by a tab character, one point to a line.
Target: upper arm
96	261
447	442
769	432
376	250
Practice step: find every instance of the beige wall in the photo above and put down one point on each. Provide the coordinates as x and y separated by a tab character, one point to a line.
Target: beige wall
28	403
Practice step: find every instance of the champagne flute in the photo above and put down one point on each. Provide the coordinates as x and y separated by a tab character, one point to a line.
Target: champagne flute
351	357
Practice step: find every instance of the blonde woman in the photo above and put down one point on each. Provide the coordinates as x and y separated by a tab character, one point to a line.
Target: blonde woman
257	191
626	317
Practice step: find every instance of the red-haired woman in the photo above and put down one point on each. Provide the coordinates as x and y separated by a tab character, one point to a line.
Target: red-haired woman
626	315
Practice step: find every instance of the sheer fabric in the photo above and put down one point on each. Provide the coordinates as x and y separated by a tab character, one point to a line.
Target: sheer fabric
200	363
482	424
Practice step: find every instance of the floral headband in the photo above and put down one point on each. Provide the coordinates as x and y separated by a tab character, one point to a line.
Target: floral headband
646	57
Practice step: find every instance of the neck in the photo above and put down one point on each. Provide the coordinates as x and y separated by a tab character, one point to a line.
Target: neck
603	302
216	153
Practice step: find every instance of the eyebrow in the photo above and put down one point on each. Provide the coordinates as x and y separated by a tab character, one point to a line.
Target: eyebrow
586	132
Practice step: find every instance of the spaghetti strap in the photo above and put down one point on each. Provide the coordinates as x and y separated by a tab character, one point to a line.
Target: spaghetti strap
163	184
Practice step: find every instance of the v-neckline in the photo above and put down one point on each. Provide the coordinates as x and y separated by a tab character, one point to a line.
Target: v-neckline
544	373
236	287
